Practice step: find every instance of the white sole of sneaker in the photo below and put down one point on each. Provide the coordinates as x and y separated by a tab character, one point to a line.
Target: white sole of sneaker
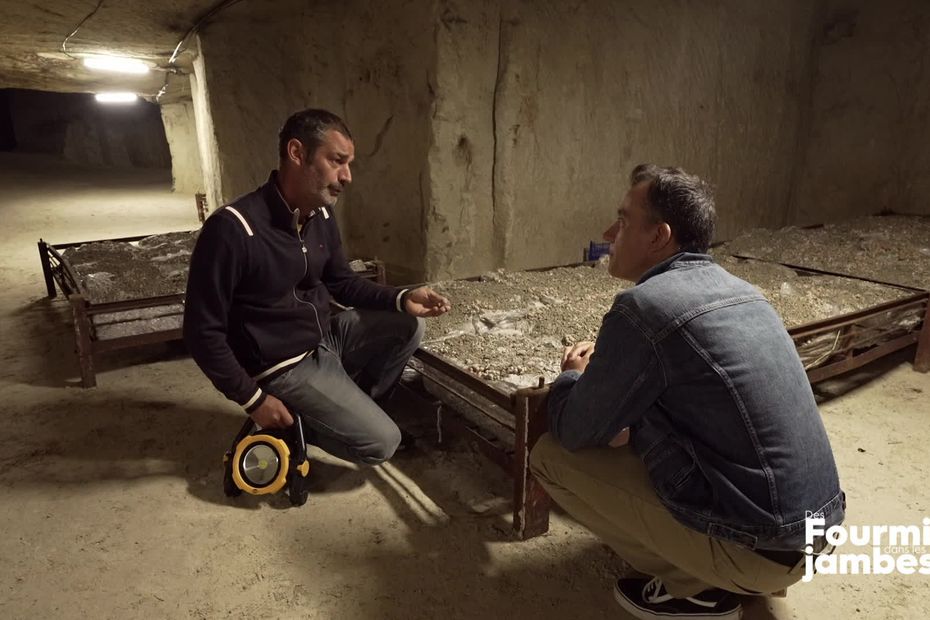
645	614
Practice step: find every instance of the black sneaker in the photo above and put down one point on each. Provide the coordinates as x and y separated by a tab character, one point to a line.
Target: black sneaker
648	599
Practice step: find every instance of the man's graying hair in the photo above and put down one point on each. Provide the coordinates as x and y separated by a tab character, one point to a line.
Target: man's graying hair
681	200
310	127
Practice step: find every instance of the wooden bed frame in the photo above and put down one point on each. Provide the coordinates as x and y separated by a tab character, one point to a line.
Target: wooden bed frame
89	343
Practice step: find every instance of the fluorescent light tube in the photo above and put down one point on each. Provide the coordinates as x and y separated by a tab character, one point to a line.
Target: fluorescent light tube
116	97
119	64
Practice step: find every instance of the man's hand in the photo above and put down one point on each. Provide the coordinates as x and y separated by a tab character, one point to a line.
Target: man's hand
577	356
622	438
425	302
272	414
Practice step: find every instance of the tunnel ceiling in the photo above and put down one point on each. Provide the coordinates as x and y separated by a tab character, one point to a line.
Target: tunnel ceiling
31	35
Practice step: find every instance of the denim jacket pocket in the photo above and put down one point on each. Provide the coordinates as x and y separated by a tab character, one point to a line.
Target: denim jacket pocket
670	466
680	482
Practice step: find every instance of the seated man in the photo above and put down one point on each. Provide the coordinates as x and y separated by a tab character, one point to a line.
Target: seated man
257	313
727	452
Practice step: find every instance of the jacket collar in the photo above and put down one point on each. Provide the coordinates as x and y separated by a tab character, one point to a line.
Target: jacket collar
673	262
281	213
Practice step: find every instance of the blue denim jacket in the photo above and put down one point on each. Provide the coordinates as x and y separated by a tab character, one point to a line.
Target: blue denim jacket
699	366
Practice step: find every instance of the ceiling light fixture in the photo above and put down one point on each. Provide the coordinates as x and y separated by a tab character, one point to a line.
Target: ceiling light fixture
116	97
117	64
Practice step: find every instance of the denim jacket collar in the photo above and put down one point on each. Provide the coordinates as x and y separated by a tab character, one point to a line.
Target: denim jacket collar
671	260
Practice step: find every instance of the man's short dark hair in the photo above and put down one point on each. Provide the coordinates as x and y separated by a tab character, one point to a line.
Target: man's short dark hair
681	200
310	127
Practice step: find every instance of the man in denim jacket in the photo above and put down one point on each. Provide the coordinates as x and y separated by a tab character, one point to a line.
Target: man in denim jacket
687	436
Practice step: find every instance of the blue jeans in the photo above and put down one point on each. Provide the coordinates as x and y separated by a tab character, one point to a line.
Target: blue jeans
334	389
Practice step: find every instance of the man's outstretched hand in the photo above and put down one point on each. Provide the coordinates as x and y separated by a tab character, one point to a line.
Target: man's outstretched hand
272	414
426	302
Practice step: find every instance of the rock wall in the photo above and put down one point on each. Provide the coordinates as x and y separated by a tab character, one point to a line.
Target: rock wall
500	133
206	133
460	224
181	132
869	115
368	62
562	100
79	129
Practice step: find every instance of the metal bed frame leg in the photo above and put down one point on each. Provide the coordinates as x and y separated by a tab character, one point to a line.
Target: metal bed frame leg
530	500
85	350
200	203
46	269
922	358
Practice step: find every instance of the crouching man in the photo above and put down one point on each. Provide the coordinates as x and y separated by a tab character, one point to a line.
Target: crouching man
257	313
687	436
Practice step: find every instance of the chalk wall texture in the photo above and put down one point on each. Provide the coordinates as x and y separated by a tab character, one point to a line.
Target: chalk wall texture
500	133
181	132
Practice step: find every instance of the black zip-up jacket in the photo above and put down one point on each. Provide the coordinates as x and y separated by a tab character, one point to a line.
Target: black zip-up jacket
259	288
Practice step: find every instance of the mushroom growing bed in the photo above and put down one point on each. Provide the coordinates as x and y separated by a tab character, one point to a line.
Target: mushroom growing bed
121	270
115	271
509	328
889	248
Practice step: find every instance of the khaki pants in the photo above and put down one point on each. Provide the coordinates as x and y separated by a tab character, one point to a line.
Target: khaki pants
608	490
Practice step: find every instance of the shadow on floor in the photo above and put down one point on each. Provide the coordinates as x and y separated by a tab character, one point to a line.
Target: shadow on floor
452	565
458	549
103	436
51	357
849	382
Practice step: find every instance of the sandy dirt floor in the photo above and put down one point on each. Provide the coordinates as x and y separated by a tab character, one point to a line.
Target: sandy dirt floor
112	503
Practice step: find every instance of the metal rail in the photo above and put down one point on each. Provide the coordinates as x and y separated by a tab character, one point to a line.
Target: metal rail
824	272
884	318
519	416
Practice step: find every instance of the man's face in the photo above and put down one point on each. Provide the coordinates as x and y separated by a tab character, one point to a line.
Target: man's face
327	172
631	236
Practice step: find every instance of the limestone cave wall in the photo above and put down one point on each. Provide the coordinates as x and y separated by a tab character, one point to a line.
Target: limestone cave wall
368	62
561	100
869	113
500	133
181	132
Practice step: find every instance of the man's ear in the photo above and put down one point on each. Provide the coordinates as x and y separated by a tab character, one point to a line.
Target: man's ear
295	152
663	237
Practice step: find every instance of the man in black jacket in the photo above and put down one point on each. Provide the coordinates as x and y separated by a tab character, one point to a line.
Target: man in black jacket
257	315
